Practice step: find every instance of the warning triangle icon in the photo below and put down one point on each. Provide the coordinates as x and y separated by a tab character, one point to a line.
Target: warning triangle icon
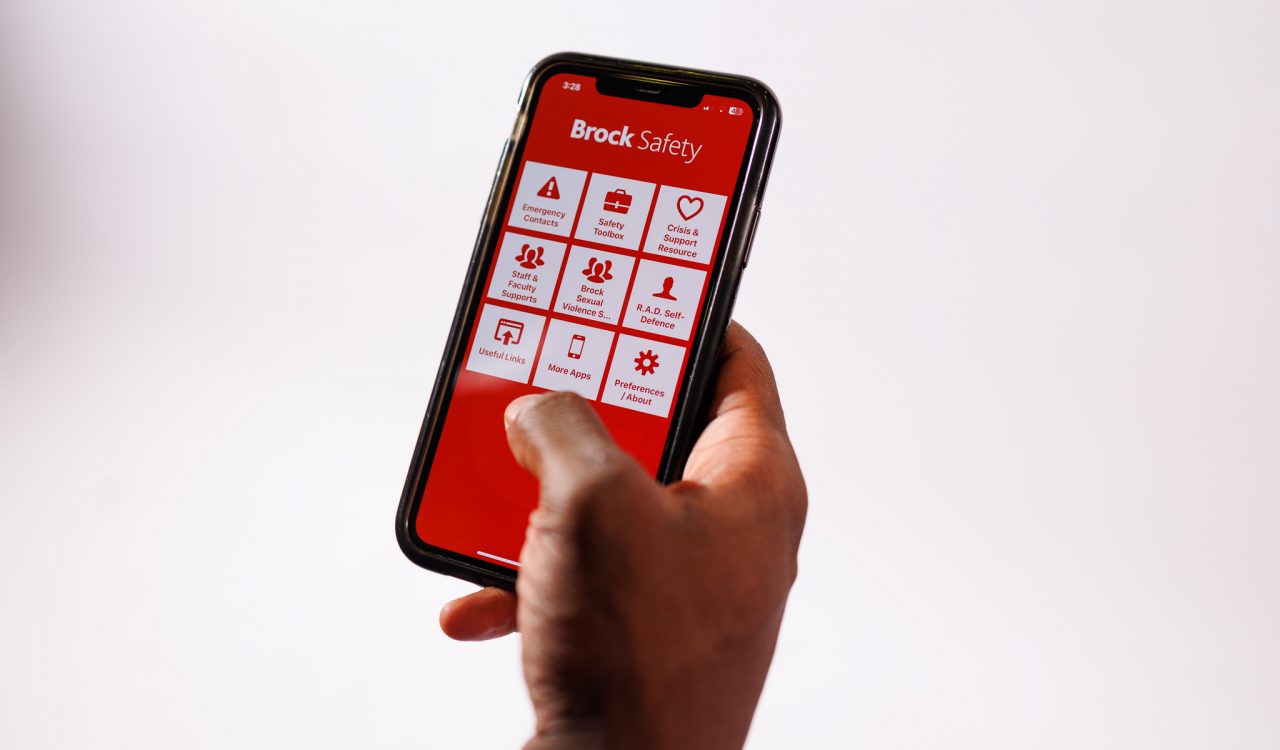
550	190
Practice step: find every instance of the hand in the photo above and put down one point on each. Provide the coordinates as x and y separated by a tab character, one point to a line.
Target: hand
650	613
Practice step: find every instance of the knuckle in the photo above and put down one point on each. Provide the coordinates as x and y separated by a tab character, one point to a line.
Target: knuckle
558	401
601	476
545	410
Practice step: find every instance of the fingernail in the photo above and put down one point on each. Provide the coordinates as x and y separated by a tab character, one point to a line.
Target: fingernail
514	408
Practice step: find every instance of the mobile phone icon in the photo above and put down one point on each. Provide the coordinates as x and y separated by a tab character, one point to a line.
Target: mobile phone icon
575	346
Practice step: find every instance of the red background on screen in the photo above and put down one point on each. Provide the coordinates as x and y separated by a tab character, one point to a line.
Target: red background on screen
476	497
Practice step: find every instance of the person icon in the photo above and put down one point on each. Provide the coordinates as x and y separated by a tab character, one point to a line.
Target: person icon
667	283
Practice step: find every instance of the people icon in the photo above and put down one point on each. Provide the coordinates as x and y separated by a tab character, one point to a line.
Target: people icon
667	283
598	272
529	257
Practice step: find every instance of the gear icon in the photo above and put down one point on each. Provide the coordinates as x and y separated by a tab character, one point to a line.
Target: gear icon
646	363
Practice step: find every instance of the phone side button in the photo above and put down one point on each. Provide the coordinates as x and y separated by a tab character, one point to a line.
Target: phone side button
497	174
751	236
493	189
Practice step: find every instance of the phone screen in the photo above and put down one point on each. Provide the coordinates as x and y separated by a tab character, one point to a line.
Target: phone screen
596	286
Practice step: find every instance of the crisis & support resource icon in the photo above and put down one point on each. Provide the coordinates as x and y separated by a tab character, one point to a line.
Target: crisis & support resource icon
689	206
685	224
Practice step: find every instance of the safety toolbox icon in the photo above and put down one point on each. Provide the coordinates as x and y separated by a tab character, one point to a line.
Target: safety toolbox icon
617	201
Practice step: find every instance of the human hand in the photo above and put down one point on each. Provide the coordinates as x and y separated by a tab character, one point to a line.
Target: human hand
650	613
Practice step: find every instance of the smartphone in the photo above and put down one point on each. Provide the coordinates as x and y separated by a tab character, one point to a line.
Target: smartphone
608	260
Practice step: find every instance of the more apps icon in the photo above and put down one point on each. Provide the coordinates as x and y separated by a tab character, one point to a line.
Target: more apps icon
573	358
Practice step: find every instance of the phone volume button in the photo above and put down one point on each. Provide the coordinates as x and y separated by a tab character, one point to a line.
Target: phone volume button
493	190
751	236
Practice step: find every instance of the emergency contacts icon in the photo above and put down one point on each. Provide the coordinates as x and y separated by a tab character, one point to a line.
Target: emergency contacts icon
547	199
550	190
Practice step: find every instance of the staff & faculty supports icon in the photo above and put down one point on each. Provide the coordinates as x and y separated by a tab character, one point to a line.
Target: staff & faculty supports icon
530	257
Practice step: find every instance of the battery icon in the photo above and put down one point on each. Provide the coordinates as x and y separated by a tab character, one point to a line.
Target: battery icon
735	110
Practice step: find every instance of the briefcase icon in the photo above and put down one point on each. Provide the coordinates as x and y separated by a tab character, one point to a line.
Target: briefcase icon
617	201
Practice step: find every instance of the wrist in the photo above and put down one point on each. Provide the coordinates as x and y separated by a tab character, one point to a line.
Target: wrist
577	738
691	714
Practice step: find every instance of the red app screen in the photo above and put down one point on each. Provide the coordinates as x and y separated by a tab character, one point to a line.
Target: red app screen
595	287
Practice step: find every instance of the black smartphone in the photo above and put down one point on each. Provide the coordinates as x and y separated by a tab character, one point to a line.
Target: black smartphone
608	260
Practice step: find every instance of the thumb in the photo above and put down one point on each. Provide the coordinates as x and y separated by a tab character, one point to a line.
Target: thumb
560	440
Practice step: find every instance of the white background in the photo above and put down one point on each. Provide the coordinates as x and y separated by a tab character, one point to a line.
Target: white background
1017	272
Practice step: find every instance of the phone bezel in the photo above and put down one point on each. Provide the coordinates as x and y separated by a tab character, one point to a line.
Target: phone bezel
689	412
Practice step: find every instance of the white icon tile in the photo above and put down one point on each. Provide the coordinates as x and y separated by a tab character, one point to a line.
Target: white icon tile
573	358
664	299
643	375
614	211
547	198
686	224
594	284
526	269
505	343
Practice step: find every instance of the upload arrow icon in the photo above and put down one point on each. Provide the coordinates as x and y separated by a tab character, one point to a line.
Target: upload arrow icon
508	331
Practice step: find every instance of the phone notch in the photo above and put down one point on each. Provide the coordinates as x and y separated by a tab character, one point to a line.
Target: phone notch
650	90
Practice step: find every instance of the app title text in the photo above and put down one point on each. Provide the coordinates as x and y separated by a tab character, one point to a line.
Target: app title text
648	140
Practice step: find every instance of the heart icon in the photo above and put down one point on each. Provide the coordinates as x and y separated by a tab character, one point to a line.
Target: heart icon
688	206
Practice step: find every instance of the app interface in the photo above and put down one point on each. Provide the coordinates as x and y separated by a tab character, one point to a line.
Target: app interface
596	285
